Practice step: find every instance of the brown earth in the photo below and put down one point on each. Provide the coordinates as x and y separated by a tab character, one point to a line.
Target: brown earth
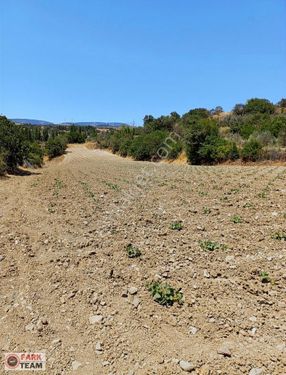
63	265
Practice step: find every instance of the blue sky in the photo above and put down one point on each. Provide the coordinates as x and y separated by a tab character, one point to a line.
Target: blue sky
118	60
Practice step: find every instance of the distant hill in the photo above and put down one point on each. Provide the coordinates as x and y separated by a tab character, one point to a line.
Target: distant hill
30	121
97	124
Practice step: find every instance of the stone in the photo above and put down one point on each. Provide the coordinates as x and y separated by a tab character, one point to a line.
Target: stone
132	290
2	258
76	365
95	319
136	302
193	330
98	347
224	350
256	371
186	366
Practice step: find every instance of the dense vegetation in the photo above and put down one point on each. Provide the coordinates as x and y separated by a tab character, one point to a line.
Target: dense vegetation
27	144
253	131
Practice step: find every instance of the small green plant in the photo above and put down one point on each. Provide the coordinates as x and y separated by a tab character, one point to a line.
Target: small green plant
247	205
211	246
207	210
236	219
176	225
112	186
164	294
132	251
281	236
58	185
203	193
88	190
264	276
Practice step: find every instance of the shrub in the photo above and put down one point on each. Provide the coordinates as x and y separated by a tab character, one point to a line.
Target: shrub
35	155
164	294
3	165
196	137
252	150
76	135
216	149
56	146
281	236
146	146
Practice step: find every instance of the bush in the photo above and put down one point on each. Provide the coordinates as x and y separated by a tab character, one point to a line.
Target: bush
35	155
252	151
13	142
56	146
196	137
216	149
76	135
147	146
3	165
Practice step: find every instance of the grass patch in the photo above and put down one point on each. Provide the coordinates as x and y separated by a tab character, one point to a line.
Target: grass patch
132	251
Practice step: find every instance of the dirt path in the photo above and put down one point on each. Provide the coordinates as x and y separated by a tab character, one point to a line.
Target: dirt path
63	266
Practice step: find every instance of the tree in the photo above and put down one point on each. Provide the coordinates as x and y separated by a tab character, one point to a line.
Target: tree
282	103
196	138
239	109
259	105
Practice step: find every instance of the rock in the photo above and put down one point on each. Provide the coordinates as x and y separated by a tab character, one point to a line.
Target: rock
186	366
136	302
98	347
132	290
206	274
2	258
105	363
30	327
256	371
253	319
76	365
229	259
95	319
193	330
224	350
56	341
39	326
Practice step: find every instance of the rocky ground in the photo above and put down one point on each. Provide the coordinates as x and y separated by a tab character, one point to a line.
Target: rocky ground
68	287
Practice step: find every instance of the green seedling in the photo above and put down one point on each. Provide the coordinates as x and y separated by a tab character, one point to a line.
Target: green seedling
132	251
176	225
211	246
281	236
164	294
236	219
264	276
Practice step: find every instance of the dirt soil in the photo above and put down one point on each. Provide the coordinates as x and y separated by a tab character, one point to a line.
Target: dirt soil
67	286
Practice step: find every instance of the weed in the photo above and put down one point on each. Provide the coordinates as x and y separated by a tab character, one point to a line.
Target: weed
281	236
265	279
58	185
133	251
211	246
176	225
207	210
236	219
87	190
112	186
164	294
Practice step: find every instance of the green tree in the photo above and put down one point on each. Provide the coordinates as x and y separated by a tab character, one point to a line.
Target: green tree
56	146
259	105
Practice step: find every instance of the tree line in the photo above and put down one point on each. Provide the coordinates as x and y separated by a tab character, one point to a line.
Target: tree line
28	144
252	131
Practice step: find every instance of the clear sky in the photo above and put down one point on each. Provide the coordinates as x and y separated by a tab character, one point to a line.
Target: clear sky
118	60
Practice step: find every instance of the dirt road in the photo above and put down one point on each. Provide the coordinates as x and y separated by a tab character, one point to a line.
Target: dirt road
66	280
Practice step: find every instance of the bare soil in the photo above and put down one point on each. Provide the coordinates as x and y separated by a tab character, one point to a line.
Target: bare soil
63	266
